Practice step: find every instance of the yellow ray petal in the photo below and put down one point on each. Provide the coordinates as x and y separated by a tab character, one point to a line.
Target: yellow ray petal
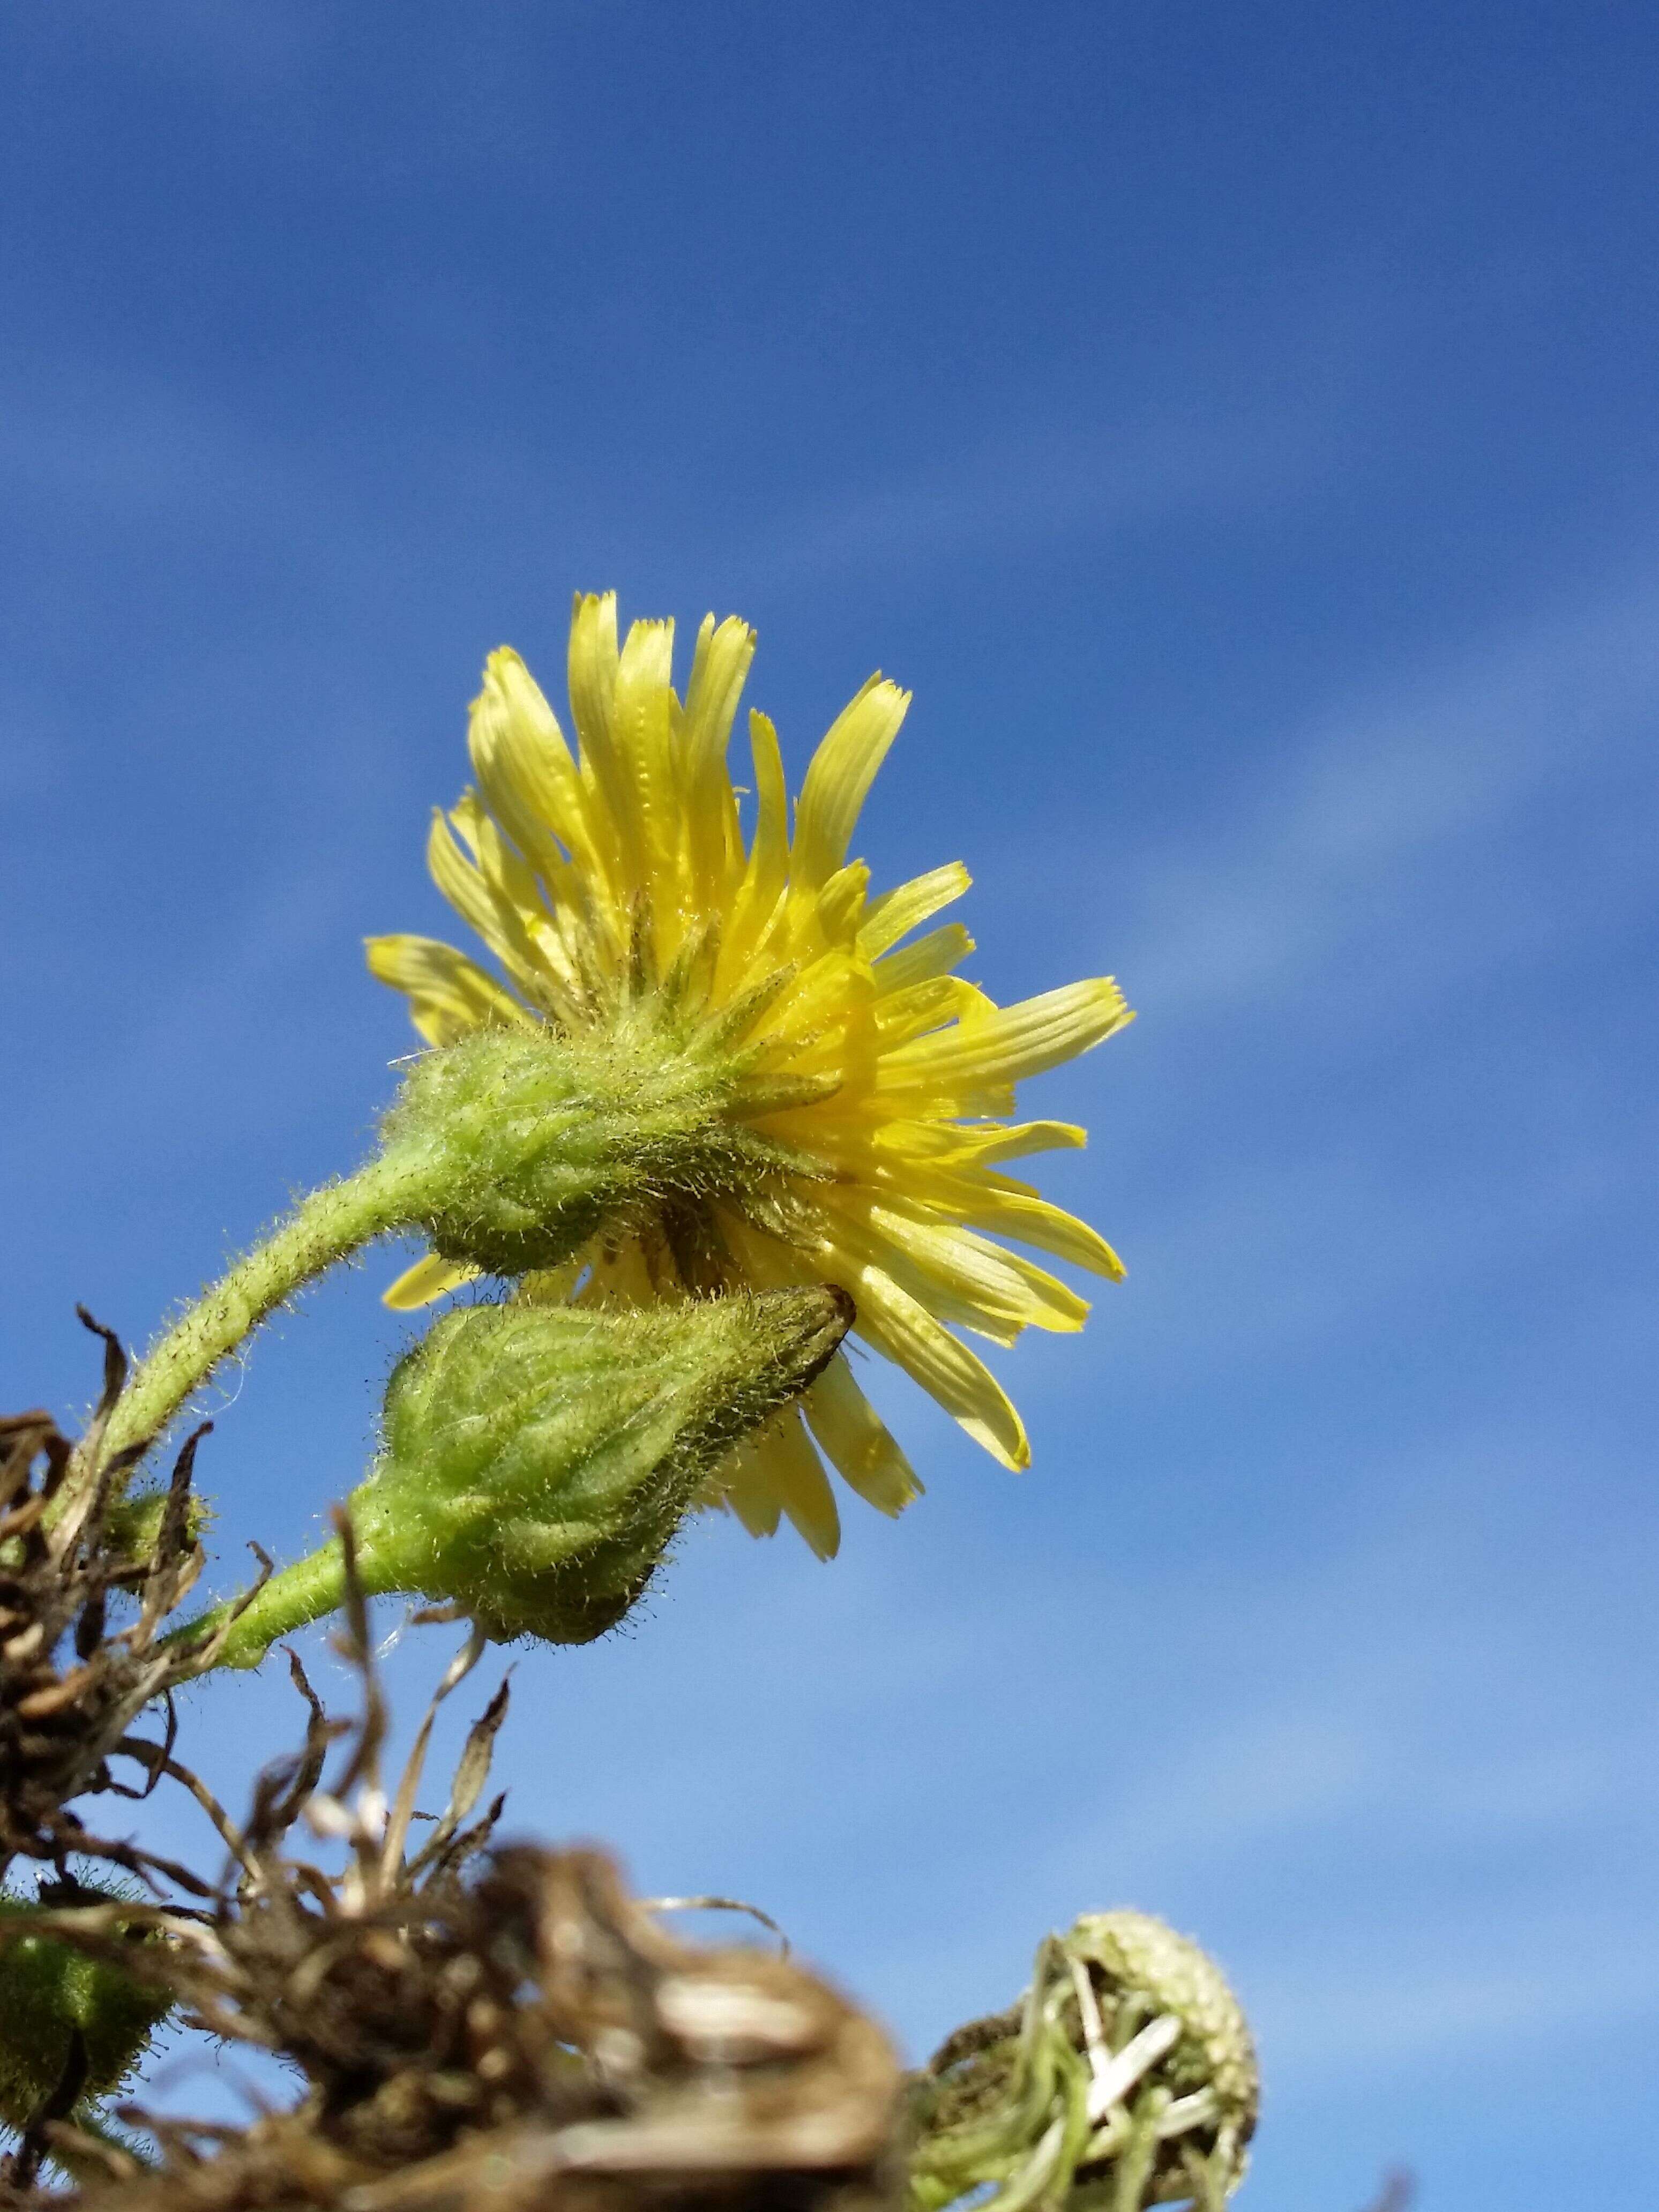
768	869
905	908
1032	1220
925	1007
902	1326
749	1493
934	955
956	1274
429	1278
448	996
534	946
644	713
485	909
720	668
841	771
996	1287
531	779
1008	1044
816	1004
592	669
1024	1138
840	902
855	1441
790	1466
970	1145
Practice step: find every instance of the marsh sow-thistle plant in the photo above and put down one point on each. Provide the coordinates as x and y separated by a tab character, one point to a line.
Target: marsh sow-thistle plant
718	1112
712	1061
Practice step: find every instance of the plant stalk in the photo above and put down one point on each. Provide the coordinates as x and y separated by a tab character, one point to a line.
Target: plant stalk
382	1197
292	1598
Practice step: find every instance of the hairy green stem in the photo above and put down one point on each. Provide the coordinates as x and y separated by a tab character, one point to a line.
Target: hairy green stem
507	1149
291	1600
383	1196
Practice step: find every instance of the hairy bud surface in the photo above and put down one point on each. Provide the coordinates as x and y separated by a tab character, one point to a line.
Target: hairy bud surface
537	1460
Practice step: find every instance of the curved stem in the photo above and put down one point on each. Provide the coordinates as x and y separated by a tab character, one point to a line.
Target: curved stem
293	1599
331	1224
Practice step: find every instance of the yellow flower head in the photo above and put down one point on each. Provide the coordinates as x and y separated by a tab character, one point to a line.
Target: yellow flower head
622	869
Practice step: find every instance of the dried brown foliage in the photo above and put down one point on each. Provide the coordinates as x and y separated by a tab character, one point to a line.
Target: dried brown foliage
480	2026
71	1680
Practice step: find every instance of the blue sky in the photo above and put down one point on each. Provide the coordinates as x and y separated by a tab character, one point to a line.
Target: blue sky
1237	426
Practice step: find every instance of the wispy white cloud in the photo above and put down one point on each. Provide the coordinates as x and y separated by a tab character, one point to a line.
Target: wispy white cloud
1362	940
1580	1977
1053	482
133	445
253	47
1278	1759
1376	789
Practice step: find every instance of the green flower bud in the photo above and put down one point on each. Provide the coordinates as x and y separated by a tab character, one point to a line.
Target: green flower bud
1127	2078
525	1141
51	1995
539	1459
133	1528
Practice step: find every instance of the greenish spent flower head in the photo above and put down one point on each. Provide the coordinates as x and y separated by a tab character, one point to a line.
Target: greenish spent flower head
49	1993
1125	2078
537	1460
1138	1958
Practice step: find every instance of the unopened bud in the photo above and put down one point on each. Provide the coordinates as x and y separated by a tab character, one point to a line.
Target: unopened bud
1128	2074
539	1459
133	1528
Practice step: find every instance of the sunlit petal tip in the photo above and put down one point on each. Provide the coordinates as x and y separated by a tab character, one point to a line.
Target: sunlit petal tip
379	955
440	841
855	1441
839	778
823	1539
427	1280
1013	1454
893	915
720	666
449	996
503	664
758	1513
